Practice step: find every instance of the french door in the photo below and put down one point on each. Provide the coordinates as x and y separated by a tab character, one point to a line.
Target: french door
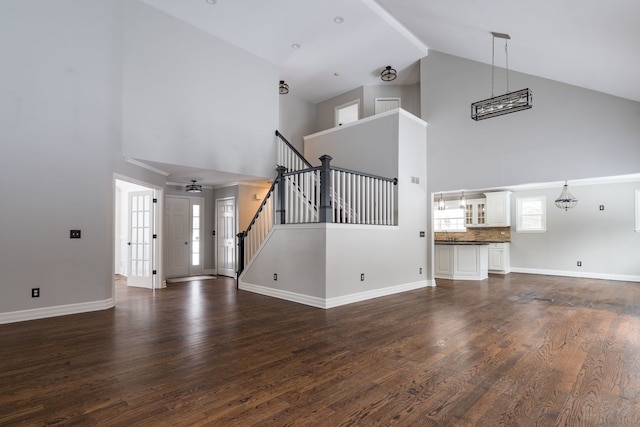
141	243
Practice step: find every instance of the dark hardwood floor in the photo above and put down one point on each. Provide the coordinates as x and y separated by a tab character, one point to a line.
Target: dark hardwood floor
519	350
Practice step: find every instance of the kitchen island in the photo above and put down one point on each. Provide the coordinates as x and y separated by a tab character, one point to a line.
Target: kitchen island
461	260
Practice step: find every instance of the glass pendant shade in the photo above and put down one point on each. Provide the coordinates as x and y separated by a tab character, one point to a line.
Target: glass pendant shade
566	200
441	206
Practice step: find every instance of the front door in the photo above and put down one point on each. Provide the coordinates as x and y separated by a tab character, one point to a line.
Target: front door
226	236
140	239
178	236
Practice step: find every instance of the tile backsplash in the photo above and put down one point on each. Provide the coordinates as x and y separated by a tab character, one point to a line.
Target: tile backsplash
485	234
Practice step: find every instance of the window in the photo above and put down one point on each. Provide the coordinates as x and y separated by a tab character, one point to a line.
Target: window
450	219
637	211
195	234
531	214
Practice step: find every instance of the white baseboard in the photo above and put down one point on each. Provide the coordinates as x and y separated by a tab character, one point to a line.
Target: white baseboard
586	275
333	302
59	310
375	293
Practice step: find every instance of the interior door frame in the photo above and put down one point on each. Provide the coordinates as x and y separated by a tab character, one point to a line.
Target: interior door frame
196	271
215	250
158	279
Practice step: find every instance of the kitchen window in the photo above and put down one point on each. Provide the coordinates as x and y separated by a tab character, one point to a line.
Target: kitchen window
531	214
450	219
637	211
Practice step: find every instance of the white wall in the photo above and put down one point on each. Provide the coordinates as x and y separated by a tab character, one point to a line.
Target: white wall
369	145
59	106
192	99
570	132
326	110
409	99
297	119
605	241
327	272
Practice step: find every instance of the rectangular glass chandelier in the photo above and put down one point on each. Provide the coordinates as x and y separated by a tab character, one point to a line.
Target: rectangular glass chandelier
502	104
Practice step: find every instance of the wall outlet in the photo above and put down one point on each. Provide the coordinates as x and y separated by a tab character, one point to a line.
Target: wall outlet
275	276
601	207
579	263
75	234
420	270
362	277
35	292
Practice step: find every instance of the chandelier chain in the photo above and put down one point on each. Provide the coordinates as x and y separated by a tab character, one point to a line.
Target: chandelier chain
506	55
493	55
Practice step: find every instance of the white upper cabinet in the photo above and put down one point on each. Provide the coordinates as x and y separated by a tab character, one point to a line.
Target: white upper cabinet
475	213
498	209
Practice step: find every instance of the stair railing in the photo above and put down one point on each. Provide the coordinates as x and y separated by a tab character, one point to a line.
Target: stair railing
305	194
289	157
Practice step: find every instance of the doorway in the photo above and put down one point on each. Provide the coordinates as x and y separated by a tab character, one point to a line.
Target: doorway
226	236
347	113
137	255
382	105
184	217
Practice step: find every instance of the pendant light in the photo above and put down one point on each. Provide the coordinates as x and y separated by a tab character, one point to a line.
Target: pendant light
441	206
388	74
283	88
463	202
510	102
565	200
193	187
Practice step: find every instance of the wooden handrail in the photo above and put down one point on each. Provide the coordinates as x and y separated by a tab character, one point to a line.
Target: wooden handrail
279	135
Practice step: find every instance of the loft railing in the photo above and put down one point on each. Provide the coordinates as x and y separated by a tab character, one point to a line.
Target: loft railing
319	195
289	157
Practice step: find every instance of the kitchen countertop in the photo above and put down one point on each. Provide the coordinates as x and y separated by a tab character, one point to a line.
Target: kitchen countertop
466	242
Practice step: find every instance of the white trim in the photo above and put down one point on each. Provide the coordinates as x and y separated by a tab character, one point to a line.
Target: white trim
146	166
333	302
282	294
398	111
586	275
396	25
376	293
59	310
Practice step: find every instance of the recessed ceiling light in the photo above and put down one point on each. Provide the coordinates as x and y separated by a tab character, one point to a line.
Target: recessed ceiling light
336	74
212	1
338	19
295	46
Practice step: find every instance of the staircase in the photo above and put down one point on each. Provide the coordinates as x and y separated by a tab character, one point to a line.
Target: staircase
301	194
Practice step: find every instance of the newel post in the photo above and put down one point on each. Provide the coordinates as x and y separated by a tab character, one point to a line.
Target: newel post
240	237
280	209
325	186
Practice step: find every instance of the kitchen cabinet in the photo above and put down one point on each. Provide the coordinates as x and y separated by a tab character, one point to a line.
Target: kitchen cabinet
499	258
498	209
444	261
475	213
461	261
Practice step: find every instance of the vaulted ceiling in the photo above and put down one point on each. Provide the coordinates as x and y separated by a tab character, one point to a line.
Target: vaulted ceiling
326	47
